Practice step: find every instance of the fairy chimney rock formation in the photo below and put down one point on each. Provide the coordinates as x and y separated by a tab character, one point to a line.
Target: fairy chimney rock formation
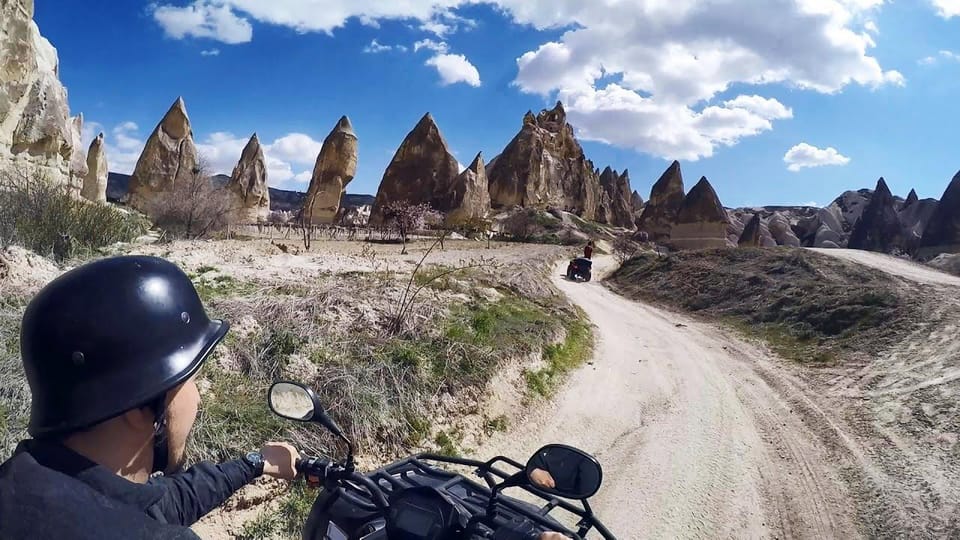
469	197
751	236
169	157
666	198
248	185
95	182
878	228
335	168
422	171
702	221
544	166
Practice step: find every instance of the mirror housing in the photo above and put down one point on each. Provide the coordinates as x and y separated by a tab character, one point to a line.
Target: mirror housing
295	401
292	401
564	471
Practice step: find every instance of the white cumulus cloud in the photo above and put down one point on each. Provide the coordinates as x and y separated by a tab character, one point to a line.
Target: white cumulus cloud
455	68
203	19
290	157
947	8
804	155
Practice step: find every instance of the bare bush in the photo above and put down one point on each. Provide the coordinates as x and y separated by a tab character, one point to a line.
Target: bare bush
193	208
43	216
406	218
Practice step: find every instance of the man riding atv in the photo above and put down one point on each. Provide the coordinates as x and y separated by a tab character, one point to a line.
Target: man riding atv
111	350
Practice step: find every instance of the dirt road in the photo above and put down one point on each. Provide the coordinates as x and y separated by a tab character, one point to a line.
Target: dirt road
892	265
699	433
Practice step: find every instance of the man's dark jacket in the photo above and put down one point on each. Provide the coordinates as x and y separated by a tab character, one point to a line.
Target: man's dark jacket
49	491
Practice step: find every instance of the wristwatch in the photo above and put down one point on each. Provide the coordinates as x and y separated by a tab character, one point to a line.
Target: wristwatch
255	459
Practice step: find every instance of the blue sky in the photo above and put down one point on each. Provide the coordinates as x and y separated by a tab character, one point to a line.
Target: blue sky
840	91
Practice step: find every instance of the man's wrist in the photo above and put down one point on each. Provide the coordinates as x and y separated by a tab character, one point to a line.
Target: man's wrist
255	459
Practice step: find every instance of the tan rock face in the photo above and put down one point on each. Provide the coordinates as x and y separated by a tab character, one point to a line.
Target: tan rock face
617	201
248	184
335	168
78	160
36	130
544	166
422	171
169	156
469	198
666	198
95	182
701	221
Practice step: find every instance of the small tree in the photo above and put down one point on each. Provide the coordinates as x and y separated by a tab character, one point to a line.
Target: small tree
406	218
193	207
625	248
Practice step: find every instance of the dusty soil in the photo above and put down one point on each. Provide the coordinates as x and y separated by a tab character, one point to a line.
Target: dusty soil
693	429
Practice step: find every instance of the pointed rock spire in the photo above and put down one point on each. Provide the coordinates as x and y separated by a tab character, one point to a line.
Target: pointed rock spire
170	156
702	221
911	198
666	198
878	228
469	196
95	182
248	184
422	171
335	168
751	236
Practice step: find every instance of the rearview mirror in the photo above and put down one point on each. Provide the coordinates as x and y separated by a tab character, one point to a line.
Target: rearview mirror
293	401
565	471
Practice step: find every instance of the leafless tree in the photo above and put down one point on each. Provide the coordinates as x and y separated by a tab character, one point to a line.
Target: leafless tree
193	207
406	218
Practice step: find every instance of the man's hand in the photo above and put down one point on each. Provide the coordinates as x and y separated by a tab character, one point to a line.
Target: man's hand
542	479
553	536
280	460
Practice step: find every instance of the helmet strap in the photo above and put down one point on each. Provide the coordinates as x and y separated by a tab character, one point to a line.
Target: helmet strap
161	450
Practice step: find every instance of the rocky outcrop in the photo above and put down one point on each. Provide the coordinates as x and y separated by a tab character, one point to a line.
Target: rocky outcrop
751	233
335	168
942	234
702	221
616	207
78	160
469	197
36	130
169	156
666	198
95	182
248	185
878	228
636	201
544	166
911	198
422	171
781	231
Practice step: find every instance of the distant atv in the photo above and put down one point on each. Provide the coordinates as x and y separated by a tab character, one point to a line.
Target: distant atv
579	269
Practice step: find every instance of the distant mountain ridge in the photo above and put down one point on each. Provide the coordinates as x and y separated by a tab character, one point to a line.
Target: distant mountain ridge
281	200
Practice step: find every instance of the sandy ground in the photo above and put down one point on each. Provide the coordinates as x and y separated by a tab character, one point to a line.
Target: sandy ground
694	442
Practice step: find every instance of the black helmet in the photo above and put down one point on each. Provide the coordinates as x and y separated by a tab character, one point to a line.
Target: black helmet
111	336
